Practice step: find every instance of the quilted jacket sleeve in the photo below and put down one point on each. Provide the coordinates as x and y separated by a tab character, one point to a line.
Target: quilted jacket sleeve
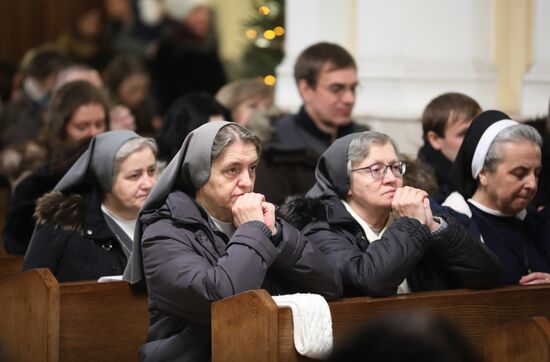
374	269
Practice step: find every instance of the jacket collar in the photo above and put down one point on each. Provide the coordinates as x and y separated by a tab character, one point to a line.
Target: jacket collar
300	211
74	212
180	207
304	120
436	160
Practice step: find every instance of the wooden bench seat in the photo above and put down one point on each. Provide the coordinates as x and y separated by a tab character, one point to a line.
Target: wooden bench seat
43	320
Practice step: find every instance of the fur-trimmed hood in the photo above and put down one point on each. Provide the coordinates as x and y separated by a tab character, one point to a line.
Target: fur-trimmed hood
65	211
300	211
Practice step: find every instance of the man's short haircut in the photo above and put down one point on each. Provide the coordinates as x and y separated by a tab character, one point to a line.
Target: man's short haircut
445	109
312	60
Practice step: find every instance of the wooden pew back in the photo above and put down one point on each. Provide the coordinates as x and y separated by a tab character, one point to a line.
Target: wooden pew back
525	340
29	311
80	321
474	312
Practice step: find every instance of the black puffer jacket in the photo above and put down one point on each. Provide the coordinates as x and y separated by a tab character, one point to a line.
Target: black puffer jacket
73	240
452	259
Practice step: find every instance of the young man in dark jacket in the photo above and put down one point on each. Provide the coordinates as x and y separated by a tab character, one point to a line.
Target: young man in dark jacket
326	76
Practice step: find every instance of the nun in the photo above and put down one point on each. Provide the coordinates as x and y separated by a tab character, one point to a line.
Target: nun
206	236
496	173
384	237
86	224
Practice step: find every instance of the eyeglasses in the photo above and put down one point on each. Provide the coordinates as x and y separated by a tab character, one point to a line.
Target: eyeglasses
378	170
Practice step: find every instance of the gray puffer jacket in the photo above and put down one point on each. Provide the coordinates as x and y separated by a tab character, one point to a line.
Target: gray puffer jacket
188	265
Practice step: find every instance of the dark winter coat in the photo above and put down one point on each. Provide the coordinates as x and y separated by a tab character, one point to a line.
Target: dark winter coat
299	131
185	63
20	221
452	259
521	242
188	264
441	165
283	172
73	240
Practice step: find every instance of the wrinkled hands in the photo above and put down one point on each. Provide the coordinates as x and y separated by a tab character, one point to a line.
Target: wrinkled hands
414	203
252	206
535	278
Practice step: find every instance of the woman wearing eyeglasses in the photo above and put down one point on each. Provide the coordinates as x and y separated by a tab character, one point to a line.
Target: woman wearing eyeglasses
382	236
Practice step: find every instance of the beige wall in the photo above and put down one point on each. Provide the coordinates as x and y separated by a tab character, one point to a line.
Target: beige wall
513	49
230	16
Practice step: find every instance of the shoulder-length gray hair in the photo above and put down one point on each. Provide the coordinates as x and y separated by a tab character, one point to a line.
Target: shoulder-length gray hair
513	134
359	146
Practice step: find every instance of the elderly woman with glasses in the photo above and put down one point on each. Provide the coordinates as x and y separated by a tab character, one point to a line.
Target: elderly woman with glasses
380	235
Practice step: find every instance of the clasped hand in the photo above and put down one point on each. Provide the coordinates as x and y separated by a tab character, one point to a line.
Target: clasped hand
414	203
252	206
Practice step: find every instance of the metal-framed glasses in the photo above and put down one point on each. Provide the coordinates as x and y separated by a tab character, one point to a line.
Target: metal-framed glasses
378	170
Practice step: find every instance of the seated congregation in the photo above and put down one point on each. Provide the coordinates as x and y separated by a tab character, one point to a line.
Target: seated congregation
259	207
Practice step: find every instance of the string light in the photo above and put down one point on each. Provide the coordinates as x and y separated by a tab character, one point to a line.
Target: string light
264	10
270	80
251	34
279	30
269	34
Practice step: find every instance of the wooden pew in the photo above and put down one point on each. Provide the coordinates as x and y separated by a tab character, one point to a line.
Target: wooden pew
10	265
249	326
43	320
525	340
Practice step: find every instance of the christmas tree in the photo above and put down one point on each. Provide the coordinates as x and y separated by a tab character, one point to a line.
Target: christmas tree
265	31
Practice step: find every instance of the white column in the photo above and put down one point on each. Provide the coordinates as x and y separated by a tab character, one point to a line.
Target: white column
535	93
411	51
308	22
